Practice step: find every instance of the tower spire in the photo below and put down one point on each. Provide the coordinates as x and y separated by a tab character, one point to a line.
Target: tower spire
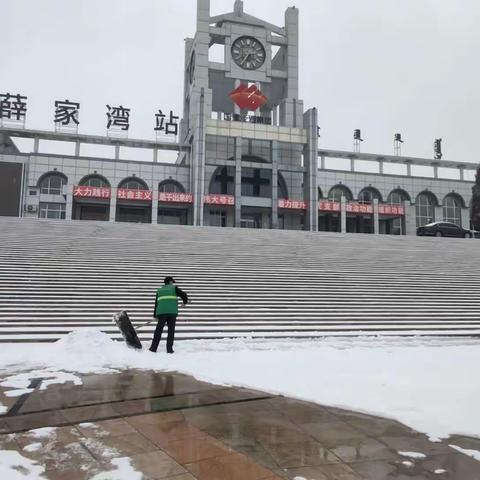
238	8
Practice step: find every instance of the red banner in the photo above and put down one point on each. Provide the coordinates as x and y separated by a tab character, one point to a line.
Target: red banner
329	206
292	204
219	200
360	208
91	192
175	197
384	209
126	194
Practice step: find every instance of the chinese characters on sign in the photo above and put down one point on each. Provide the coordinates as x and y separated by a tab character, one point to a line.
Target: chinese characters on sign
91	192
360	208
13	110
329	206
175	197
118	120
292	204
219	200
126	194
391	210
235	117
66	116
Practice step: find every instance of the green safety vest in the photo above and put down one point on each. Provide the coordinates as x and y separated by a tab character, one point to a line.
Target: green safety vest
167	300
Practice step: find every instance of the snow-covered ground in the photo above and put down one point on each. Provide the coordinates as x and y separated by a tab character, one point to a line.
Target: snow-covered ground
431	385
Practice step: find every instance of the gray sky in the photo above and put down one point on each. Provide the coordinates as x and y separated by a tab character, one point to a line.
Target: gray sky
384	66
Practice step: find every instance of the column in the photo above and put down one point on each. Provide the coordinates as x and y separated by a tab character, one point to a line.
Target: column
466	218
380	167
376	217
274	146
117	152
352	164
36	145
69	204
409	169
435	170
462	173
322	162
77	148
410	219
155	206
238	181
343	214
310	184
113	205
438	214
155	155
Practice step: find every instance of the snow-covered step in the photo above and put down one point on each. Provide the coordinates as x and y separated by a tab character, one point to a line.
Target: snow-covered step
56	276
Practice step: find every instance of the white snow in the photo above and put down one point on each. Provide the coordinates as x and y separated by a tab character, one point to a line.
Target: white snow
471	453
33	447
14	466
412	454
124	471
408	463
439	471
423	383
46	432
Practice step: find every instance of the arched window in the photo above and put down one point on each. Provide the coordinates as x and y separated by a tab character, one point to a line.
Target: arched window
52	183
425	208
339	191
222	182
96	181
133	183
398	197
368	195
452	209
170	186
320	194
282	187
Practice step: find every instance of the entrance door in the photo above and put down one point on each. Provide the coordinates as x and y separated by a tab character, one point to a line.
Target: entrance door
251	221
171	216
94	212
134	215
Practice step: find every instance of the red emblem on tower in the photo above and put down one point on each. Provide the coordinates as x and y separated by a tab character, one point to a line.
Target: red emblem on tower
248	98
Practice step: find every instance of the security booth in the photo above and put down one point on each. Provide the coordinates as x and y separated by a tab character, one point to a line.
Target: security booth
91	199
134	201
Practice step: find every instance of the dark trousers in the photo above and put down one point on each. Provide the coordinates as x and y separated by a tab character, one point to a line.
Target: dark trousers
170	320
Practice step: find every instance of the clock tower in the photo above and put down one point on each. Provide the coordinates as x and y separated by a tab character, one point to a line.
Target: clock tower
254	149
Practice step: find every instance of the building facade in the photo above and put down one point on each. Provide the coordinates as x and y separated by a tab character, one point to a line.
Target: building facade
247	155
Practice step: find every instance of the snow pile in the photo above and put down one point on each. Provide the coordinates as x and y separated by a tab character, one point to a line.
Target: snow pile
14	466
412	455
423	383
471	453
124	471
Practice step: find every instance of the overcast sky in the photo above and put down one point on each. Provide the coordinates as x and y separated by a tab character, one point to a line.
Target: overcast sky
385	66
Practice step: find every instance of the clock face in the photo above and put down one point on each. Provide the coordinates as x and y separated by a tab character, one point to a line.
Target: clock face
248	53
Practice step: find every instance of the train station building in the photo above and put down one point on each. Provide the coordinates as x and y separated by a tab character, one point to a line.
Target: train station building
247	153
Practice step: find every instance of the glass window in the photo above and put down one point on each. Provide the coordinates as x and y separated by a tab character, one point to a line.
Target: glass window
218	218
397	197
170	187
52	210
133	185
52	185
425	209
452	210
256	182
368	196
336	194
96	182
223	181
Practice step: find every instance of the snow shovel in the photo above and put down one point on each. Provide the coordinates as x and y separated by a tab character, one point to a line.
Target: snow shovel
126	329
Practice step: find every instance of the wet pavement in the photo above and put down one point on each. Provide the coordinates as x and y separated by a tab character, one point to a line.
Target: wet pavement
171	426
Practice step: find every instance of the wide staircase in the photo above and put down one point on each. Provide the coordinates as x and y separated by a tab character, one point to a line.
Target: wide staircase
56	276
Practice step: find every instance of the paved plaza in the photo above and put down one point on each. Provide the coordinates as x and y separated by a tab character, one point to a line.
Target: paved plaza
171	426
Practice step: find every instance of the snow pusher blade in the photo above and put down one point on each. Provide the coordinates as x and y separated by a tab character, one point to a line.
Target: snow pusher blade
126	329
